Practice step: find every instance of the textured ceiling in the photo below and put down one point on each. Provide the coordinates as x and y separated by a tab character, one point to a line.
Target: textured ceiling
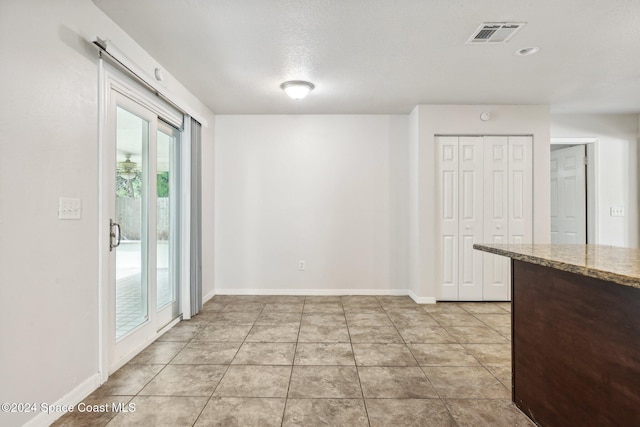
383	56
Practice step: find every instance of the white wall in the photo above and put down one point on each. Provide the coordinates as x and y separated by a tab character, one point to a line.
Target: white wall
49	149
465	119
353	196
399	199
414	196
329	190
617	170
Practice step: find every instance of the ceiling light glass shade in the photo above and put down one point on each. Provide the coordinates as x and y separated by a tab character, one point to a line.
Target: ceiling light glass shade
297	89
127	169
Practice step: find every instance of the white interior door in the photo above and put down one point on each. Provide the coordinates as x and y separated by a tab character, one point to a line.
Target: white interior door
448	182
496	280
470	207
568	196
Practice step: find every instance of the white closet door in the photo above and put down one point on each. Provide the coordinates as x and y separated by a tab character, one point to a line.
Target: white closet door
520	190
470	199
496	281
448	182
485	195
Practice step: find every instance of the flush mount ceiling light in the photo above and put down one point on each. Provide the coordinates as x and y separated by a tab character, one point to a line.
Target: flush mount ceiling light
297	89
527	51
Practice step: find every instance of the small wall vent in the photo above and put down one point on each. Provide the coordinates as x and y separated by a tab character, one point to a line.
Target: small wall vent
495	32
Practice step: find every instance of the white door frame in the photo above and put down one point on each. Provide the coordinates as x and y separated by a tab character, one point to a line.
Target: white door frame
592	182
109	78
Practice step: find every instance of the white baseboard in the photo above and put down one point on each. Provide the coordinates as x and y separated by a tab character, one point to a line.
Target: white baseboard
323	292
208	296
87	387
311	292
421	300
74	397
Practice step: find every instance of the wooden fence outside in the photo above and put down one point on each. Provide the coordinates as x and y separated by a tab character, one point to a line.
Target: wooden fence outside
129	216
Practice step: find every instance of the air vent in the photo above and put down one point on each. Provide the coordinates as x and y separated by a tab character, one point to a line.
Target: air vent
495	32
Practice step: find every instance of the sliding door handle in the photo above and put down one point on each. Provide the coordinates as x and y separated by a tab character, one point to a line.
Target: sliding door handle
113	235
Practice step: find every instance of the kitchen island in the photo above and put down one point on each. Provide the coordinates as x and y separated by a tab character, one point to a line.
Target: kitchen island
575	333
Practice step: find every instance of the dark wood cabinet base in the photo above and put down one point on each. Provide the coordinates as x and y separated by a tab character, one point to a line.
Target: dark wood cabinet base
576	348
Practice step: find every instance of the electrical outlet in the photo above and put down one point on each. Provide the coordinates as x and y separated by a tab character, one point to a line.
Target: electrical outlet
617	211
301	265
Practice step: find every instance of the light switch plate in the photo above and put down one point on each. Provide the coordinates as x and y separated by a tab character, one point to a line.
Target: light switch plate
617	211
69	208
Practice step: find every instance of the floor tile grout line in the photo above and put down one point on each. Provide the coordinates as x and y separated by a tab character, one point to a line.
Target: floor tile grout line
425	374
364	402
214	389
465	348
157	373
394	325
293	362
485	323
440	397
427	377
225	371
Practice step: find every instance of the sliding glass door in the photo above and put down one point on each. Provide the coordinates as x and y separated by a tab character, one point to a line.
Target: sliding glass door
167	220
131	198
144	240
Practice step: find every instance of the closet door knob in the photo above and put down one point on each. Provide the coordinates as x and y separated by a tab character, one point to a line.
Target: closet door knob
498	227
467	227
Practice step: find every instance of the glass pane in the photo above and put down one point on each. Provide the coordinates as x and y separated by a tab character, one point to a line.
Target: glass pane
132	140
165	233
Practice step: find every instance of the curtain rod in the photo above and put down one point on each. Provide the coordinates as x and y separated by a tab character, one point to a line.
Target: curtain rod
107	47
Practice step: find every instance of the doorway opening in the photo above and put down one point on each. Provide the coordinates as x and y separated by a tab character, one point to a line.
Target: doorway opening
573	190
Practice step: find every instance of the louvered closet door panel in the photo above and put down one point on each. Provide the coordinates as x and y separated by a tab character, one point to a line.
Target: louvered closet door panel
520	189
496	212
448	194
470	210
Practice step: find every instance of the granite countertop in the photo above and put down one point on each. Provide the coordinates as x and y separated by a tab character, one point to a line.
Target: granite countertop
611	263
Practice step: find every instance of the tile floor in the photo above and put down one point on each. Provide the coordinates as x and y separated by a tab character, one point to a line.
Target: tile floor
312	361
